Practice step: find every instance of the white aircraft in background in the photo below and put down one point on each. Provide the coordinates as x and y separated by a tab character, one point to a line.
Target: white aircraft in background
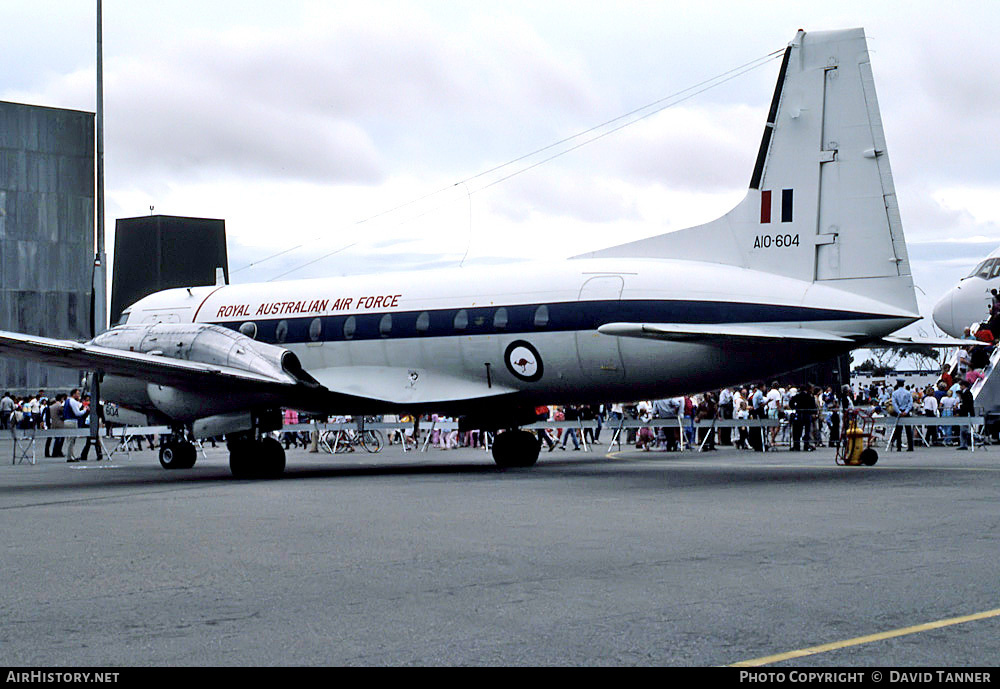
969	301
812	263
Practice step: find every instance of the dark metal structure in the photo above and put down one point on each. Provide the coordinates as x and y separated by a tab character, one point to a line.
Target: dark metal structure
156	252
46	234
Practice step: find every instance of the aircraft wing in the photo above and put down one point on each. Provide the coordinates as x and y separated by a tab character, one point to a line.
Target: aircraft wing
715	332
343	386
150	367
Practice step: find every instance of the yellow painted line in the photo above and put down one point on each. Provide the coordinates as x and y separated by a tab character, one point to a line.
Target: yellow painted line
857	641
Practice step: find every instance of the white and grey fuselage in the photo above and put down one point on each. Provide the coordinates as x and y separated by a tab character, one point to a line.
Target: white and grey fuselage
433	337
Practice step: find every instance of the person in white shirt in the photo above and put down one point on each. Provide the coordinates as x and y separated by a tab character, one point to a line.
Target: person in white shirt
930	407
742	411
963	362
774	408
726	408
73	413
946	406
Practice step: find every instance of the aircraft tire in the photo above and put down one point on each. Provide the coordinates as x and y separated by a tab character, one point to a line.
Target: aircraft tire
272	458
516	449
178	455
263	458
868	457
241	462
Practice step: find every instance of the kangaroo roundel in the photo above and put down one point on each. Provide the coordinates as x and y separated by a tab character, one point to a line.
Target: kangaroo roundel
523	361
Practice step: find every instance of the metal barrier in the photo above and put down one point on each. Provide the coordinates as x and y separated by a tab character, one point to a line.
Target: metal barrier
24	439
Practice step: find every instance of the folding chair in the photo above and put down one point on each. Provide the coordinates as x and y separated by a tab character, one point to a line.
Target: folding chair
24	445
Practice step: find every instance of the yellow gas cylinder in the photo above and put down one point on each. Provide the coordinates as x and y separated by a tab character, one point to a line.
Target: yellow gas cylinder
855	445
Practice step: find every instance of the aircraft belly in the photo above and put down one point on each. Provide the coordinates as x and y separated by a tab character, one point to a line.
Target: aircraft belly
657	369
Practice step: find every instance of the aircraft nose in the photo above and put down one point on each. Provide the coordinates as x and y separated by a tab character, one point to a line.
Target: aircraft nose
944	314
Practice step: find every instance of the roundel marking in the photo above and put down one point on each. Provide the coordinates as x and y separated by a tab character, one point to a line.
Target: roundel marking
523	361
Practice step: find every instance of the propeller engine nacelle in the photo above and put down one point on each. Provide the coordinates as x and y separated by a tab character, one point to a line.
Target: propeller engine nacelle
209	344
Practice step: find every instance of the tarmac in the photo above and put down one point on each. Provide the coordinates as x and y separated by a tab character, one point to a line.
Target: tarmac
590	558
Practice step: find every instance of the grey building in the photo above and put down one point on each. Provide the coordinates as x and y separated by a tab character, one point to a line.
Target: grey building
46	233
155	252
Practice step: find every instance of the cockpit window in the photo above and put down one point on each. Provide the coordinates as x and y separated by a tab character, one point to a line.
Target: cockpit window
986	269
995	270
983	269
124	317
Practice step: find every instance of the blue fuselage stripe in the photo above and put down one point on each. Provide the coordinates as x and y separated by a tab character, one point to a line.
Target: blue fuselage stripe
526	318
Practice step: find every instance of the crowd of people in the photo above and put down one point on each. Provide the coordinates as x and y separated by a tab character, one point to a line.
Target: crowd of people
38	411
951	395
807	416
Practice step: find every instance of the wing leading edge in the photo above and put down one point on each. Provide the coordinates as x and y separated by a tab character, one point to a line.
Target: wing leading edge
149	367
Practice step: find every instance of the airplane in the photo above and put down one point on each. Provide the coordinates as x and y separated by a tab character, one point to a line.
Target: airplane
810	264
969	301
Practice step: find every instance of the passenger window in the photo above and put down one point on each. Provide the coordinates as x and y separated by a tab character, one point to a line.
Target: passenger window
249	329
350	327
315	329
281	332
461	320
423	322
385	325
541	316
500	319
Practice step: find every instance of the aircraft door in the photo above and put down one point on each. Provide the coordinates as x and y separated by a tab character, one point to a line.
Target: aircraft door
600	355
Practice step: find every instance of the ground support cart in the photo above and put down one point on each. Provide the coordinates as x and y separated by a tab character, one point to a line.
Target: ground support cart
856	440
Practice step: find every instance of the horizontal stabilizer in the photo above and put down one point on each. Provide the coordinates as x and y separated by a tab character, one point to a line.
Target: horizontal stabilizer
693	332
898	341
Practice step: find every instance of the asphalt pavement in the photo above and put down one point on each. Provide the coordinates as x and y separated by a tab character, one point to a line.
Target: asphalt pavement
593	557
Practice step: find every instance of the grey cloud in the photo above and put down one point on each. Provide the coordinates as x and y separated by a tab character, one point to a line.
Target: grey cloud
298	265
959	254
419	93
926	220
562	194
690	148
330	102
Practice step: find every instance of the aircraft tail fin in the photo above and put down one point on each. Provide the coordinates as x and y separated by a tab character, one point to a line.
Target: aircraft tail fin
821	205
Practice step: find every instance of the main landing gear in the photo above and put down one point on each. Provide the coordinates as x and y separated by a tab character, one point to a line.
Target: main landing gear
255	457
515	448
178	452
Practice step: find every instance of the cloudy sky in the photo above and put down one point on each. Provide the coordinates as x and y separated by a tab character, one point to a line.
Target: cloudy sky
361	137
